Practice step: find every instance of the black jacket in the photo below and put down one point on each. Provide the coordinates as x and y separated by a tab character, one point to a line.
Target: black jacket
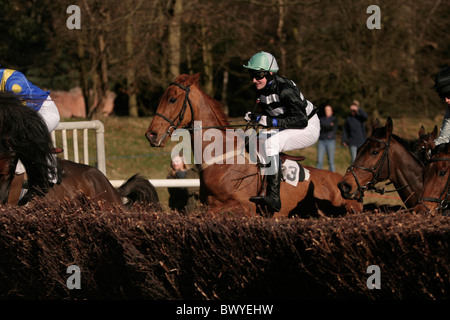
282	100
354	132
328	128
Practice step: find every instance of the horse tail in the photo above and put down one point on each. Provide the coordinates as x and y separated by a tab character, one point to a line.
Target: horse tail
139	190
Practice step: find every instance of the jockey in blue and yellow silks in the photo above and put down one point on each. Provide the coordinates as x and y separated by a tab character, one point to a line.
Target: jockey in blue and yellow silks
15	82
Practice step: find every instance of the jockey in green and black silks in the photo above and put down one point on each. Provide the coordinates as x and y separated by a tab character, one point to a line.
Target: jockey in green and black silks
283	106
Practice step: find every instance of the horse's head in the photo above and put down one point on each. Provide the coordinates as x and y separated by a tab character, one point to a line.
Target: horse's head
174	110
435	192
8	162
425	143
371	164
24	135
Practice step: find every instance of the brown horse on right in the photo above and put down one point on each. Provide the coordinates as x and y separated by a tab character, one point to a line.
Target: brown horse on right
384	156
227	185
435	196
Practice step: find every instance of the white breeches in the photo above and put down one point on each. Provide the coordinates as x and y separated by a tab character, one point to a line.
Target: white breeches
275	141
49	112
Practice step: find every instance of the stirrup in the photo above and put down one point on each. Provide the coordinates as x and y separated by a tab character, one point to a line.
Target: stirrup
262	200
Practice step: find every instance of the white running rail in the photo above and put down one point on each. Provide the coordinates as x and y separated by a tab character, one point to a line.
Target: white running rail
99	130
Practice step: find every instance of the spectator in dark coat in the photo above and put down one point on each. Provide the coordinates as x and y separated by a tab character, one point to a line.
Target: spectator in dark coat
354	132
183	200
327	138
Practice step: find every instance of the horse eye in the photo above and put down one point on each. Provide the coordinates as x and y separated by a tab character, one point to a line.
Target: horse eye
172	100
442	173
374	152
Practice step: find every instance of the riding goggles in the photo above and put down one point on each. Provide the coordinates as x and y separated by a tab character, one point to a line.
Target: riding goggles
258	75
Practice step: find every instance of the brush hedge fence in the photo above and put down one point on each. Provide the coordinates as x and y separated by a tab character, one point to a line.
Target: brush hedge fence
148	254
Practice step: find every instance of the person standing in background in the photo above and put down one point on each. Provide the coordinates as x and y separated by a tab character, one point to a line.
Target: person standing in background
327	138
354	131
183	200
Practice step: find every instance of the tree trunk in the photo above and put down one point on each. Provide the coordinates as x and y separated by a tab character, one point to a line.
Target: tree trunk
174	40
280	33
224	92
208	83
130	73
84	79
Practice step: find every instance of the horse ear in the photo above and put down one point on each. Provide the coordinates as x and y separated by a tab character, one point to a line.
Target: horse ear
195	78
421	131
181	78
435	132
188	79
389	126
377	124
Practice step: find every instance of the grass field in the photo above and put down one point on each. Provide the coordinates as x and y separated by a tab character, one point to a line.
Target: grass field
128	151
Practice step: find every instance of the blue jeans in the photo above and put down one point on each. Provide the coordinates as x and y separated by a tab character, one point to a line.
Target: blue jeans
328	147
353	151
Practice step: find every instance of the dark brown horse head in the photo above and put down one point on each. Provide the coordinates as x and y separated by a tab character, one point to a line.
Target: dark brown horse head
175	109
8	162
435	195
425	143
371	163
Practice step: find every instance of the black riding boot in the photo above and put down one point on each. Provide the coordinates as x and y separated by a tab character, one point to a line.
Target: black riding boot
272	198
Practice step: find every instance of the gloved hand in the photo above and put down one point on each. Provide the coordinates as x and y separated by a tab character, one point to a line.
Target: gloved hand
265	121
250	117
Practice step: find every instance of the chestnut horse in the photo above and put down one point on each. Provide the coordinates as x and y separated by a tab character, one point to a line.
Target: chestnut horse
384	156
226	185
24	135
435	196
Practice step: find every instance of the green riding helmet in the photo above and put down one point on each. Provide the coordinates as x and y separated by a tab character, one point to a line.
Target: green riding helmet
262	61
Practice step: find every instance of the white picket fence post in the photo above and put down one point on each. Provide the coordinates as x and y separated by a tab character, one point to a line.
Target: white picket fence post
99	130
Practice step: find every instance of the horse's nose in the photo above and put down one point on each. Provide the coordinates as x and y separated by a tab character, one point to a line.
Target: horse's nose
420	208
345	189
151	137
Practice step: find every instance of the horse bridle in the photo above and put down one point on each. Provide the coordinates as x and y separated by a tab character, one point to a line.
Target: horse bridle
180	116
443	199
375	170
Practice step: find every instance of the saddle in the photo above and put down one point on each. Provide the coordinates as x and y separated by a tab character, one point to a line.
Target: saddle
291	169
284	157
56	150
19	184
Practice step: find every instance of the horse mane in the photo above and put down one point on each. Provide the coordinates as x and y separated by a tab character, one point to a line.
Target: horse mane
24	131
216	106
441	148
411	146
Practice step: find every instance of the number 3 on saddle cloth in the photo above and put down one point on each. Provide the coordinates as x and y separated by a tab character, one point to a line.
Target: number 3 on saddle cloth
292	171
